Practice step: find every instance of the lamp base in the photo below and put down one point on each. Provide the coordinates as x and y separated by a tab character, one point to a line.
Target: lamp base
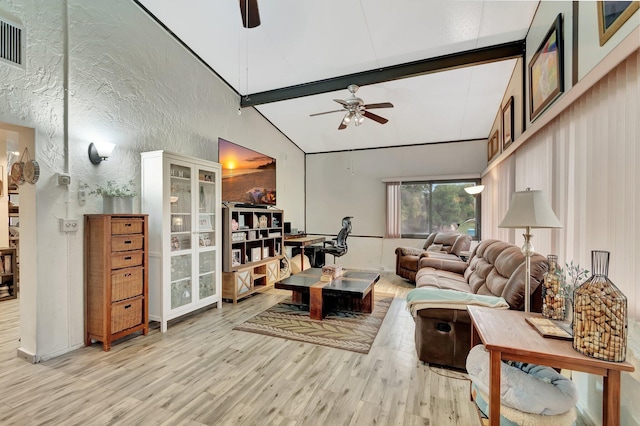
527	251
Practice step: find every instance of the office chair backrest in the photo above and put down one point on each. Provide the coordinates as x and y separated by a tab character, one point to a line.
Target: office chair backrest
341	240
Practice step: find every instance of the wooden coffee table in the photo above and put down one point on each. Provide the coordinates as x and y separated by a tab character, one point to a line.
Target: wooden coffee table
353	291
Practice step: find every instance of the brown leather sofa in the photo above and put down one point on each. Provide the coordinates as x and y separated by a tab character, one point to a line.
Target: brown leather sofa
443	336
440	245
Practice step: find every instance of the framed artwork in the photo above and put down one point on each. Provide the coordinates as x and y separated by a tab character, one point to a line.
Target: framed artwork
236	256
493	146
611	16
205	222
507	123
546	76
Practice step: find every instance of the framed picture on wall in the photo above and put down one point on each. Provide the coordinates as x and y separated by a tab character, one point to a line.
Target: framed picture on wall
493	146
546	76
611	16
507	123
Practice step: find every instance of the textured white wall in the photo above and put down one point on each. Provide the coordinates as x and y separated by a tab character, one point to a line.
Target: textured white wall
350	184
132	84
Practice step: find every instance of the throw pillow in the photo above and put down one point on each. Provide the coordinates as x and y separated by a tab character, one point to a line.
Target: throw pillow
410	251
435	247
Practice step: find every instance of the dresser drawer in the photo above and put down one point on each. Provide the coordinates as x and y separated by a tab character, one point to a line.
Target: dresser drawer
126	259
121	226
127	242
126	314
126	283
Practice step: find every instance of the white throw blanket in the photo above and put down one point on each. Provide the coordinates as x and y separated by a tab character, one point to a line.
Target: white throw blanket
426	297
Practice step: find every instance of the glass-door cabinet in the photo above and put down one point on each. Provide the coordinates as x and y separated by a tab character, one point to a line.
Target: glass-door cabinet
182	197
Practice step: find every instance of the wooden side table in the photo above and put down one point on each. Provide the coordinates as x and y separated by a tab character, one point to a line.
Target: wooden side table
507	336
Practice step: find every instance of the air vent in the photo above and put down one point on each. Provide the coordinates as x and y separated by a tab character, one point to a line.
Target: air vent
11	43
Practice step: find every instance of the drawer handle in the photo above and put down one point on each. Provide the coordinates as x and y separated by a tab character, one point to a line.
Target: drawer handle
128	274
128	242
127	224
127	258
127	306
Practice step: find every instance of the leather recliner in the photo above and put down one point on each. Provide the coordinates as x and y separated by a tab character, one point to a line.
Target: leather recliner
495	268
440	245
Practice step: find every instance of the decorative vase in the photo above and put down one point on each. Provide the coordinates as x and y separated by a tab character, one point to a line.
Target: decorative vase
117	205
600	314
553	304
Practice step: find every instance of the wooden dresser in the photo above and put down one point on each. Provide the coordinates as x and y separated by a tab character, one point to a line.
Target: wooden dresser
116	276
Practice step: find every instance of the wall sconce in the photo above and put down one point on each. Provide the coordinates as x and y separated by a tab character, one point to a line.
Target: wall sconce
100	151
474	190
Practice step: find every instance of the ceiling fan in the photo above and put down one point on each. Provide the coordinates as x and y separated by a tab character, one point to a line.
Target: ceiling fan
357	109
250	13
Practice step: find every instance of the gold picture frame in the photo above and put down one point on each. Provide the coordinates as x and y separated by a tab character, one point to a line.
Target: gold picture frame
611	16
546	70
507	123
493	146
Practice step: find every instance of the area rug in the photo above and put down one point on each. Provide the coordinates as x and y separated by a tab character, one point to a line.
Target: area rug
351	331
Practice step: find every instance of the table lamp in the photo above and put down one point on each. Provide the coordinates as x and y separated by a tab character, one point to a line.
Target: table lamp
529	209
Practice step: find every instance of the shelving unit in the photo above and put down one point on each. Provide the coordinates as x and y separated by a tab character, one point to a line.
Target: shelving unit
182	197
8	274
253	243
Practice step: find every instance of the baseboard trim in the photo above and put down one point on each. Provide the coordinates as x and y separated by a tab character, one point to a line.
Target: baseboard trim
27	356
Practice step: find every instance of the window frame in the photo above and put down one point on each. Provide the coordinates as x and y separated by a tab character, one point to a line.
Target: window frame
431	182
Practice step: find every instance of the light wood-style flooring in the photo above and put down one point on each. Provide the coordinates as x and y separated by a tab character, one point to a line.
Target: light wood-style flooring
203	372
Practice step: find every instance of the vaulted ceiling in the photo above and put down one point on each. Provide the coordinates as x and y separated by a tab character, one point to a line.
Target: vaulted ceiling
444	65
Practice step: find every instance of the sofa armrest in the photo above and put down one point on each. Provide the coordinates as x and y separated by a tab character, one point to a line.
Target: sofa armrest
409	251
444	264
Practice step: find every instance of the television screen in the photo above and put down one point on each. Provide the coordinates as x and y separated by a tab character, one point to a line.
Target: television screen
248	177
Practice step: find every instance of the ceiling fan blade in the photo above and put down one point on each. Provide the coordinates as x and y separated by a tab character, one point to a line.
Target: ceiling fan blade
341	102
380	105
326	112
250	13
374	117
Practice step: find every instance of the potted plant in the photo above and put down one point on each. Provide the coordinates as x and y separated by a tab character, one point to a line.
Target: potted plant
116	198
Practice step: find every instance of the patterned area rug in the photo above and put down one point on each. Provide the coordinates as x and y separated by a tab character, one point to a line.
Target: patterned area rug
351	331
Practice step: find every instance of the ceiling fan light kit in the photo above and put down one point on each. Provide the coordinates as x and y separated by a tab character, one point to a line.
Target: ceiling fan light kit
357	109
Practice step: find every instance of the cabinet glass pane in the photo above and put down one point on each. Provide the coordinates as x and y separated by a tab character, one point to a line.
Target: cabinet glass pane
180	267
180	293
180	199
206	191
207	261
206	285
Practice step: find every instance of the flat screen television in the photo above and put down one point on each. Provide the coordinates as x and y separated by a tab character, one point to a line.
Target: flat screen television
248	177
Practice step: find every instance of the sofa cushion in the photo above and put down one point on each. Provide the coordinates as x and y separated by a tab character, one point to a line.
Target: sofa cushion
429	241
435	247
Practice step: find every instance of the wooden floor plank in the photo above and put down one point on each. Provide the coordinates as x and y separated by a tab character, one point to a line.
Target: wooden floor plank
202	372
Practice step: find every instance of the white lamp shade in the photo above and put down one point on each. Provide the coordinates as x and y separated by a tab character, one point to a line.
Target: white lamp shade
530	209
474	190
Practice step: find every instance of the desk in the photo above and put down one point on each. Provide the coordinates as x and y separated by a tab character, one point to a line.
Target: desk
507	336
302	242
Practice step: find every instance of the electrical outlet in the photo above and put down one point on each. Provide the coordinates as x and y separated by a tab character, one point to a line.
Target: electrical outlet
68	225
64	179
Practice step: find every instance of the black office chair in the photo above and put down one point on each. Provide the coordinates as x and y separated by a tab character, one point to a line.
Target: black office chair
338	246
